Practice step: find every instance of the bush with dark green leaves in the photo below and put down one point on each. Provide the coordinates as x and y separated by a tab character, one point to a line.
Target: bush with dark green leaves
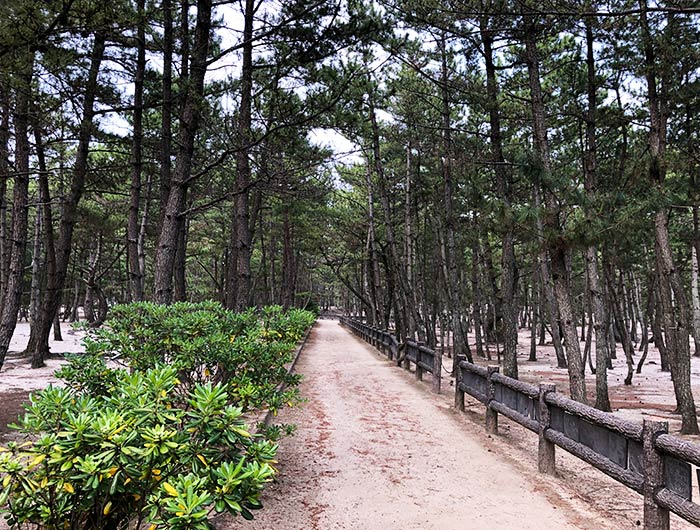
162	442
249	351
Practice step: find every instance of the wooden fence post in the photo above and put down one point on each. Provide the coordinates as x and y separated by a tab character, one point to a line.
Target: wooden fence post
655	517
419	368
545	452
459	395
491	416
437	370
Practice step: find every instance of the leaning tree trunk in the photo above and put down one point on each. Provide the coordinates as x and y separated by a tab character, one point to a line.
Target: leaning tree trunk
672	295
557	246
20	207
56	275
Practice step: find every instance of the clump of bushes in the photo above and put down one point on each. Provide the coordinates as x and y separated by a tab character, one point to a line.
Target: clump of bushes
163	440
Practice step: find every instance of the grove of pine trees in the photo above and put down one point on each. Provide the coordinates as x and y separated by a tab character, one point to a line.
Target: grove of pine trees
514	165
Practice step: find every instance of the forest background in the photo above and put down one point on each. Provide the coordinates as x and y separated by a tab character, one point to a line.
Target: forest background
518	165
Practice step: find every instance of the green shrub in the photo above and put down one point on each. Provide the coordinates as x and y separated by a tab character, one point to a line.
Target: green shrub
134	456
163	440
246	351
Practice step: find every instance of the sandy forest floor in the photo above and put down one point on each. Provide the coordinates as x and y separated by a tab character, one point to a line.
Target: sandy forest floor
376	450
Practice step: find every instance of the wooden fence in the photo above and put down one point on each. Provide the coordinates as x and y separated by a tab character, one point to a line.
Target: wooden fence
424	359
643	457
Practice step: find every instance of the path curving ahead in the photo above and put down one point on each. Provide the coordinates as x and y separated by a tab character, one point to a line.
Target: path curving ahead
375	451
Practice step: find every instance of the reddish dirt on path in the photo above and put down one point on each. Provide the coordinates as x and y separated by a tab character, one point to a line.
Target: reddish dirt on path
375	450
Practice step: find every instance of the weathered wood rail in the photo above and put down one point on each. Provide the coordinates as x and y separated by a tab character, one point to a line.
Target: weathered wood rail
643	457
424	359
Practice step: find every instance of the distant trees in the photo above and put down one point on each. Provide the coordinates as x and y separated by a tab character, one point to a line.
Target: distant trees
518	166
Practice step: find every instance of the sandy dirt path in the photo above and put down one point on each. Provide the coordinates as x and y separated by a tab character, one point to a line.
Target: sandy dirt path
374	450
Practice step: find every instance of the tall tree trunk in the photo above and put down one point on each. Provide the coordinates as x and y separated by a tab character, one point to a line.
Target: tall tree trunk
557	245
674	305
35	286
507	302
189	125
239	275
395	271
459	338
5	96
166	109
20	205
695	279
56	278
132	229
590	163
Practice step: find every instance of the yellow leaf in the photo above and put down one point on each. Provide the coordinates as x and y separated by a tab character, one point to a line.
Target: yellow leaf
44	482
202	460
241	432
137	497
68	487
37	460
152	527
169	489
6	481
207	373
163	393
107	508
112	471
155	471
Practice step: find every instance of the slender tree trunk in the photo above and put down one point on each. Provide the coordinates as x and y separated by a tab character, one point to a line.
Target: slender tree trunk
20	205
35	286
241	239
507	302
602	399
695	280
673	305
558	248
132	230
56	277
189	126
5	96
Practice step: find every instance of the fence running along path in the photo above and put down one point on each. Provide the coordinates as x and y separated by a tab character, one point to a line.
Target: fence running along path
643	457
423	358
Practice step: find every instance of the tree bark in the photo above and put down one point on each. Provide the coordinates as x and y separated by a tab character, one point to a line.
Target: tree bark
507	301
672	295
56	278
132	229
190	118
20	205
557	246
239	275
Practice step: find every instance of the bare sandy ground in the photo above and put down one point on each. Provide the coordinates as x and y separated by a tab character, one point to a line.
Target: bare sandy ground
376	451
17	375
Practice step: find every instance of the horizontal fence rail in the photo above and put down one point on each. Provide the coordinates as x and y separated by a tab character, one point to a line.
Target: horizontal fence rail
643	457
424	359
